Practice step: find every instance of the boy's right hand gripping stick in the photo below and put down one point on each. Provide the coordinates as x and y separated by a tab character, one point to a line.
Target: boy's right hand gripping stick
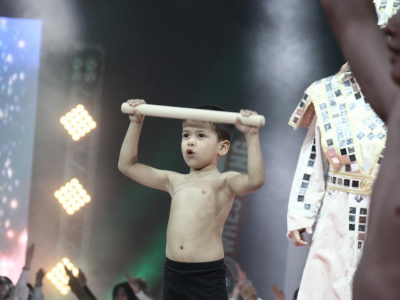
183	113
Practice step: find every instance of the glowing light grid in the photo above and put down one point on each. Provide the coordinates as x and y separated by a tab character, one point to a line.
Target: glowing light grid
78	122
72	196
58	276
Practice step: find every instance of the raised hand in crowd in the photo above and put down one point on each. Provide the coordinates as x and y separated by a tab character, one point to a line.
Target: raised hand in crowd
79	286
243	286
278	292
140	287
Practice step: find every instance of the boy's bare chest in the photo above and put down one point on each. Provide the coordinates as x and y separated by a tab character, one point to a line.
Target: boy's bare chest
197	187
199	191
199	201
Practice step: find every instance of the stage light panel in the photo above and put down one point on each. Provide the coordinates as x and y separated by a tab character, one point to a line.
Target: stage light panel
77	64
84	69
91	64
72	196
78	122
90	74
59	278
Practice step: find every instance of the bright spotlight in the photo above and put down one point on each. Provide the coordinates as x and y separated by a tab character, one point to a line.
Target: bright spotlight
72	196
59	277
78	122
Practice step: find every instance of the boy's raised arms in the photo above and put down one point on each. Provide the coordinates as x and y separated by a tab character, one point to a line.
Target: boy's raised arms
128	159
255	177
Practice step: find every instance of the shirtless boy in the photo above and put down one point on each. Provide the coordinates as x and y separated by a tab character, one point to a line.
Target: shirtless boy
201	201
375	61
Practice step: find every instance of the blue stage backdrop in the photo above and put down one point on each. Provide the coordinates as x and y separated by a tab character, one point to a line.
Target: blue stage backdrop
20	41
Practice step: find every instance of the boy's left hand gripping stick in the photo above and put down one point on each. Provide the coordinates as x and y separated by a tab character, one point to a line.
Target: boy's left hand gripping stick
183	113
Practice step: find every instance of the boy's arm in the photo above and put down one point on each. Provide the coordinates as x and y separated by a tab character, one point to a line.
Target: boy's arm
128	159
255	177
354	23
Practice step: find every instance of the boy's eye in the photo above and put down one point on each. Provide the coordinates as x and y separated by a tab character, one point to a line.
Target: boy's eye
202	135
185	135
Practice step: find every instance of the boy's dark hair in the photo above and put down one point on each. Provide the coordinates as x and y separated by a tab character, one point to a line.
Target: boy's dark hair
224	131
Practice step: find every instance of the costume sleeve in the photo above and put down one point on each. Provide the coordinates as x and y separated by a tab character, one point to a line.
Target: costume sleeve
308	185
21	290
304	112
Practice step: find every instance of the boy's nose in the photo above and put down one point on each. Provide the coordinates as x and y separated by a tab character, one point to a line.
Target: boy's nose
191	143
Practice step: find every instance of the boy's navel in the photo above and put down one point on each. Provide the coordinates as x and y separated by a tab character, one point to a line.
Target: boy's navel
181	247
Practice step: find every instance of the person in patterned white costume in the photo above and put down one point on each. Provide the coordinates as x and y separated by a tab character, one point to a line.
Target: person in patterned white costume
338	164
374	55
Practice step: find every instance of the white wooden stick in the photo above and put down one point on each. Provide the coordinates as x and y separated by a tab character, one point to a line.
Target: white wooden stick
183	113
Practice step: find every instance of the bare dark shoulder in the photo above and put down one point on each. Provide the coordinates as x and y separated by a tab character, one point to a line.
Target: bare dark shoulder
394	116
363	44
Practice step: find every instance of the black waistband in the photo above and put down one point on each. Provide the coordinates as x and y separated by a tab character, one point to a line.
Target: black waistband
194	265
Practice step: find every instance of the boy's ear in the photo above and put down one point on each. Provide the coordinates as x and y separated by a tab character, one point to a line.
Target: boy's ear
224	147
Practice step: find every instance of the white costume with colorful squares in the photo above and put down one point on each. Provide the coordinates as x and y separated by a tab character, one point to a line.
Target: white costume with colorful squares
337	167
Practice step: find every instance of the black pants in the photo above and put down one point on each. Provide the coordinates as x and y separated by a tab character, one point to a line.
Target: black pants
194	281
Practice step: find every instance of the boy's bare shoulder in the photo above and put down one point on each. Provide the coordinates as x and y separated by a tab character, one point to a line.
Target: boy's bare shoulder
173	175
229	174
